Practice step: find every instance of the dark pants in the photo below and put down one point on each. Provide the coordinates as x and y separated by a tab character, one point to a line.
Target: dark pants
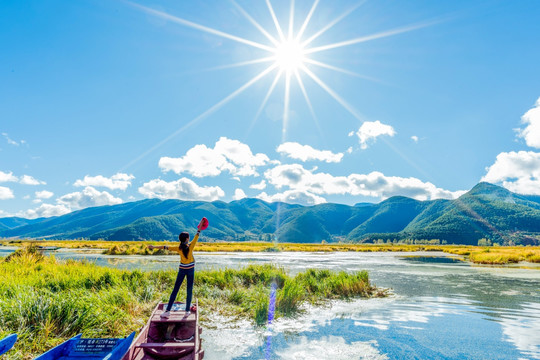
182	273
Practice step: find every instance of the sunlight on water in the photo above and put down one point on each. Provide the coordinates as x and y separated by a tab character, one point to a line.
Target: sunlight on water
440	309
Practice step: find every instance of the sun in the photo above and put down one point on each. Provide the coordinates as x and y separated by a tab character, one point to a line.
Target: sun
290	55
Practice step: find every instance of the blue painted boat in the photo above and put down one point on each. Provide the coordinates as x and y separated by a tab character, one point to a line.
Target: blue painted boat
7	343
89	349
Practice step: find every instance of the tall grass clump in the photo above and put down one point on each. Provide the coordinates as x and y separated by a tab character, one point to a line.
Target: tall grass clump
491	258
47	301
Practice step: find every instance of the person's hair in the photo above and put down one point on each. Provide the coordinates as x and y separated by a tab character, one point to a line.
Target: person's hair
183	237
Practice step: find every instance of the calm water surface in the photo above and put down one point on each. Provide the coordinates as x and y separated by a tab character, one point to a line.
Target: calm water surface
441	309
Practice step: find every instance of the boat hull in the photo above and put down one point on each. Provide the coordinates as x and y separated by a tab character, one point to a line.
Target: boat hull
7	343
89	349
175	338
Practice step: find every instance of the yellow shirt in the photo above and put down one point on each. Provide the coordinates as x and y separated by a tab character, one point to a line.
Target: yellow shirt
187	262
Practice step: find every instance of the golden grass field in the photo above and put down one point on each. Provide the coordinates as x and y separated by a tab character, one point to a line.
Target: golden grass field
476	254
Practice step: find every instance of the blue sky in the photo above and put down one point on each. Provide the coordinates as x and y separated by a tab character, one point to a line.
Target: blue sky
103	102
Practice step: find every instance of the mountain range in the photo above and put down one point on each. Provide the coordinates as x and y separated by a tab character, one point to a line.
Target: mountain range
486	211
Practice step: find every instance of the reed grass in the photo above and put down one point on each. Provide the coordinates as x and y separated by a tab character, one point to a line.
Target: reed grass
46	301
504	255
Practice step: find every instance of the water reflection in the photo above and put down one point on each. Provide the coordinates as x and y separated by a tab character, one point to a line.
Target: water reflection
522	328
442	309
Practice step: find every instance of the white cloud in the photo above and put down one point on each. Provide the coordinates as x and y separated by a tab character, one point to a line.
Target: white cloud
374	184
183	189
10	141
6	177
531	133
239	194
119	181
258	186
6	193
240	154
45	210
293	197
414	138
44	194
25	179
370	130
86	198
517	171
306	153
199	161
227	155
29	180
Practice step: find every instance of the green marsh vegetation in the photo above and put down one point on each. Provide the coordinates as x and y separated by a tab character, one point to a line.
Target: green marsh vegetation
47	301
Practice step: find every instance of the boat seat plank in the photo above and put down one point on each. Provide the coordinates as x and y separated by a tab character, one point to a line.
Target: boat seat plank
174	318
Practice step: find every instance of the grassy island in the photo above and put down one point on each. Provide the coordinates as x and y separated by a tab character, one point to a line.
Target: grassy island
47	301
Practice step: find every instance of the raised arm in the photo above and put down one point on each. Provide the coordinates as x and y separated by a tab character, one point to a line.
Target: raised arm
194	241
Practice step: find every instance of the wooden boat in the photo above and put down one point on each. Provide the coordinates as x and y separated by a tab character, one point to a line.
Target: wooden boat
7	343
48	248
89	349
177	337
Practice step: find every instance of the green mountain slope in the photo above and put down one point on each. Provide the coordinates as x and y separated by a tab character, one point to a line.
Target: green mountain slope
486	211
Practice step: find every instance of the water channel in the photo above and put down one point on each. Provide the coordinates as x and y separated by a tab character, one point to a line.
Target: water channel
441	308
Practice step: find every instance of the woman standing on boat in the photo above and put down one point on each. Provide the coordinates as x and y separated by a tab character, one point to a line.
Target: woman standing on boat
186	267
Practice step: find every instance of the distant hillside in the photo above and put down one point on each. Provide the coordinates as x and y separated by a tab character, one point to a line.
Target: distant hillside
486	211
13	222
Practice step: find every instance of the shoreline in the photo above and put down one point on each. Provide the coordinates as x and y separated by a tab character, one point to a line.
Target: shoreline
487	255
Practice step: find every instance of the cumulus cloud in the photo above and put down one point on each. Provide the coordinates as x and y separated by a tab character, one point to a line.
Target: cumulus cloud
531	133
6	193
293	197
371	130
25	179
86	198
517	171
258	186
29	180
374	184
119	181
45	210
8	177
239	194
226	155
414	138
306	153
44	194
183	189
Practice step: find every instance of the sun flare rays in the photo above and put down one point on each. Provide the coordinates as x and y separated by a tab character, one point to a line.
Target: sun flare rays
289	54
